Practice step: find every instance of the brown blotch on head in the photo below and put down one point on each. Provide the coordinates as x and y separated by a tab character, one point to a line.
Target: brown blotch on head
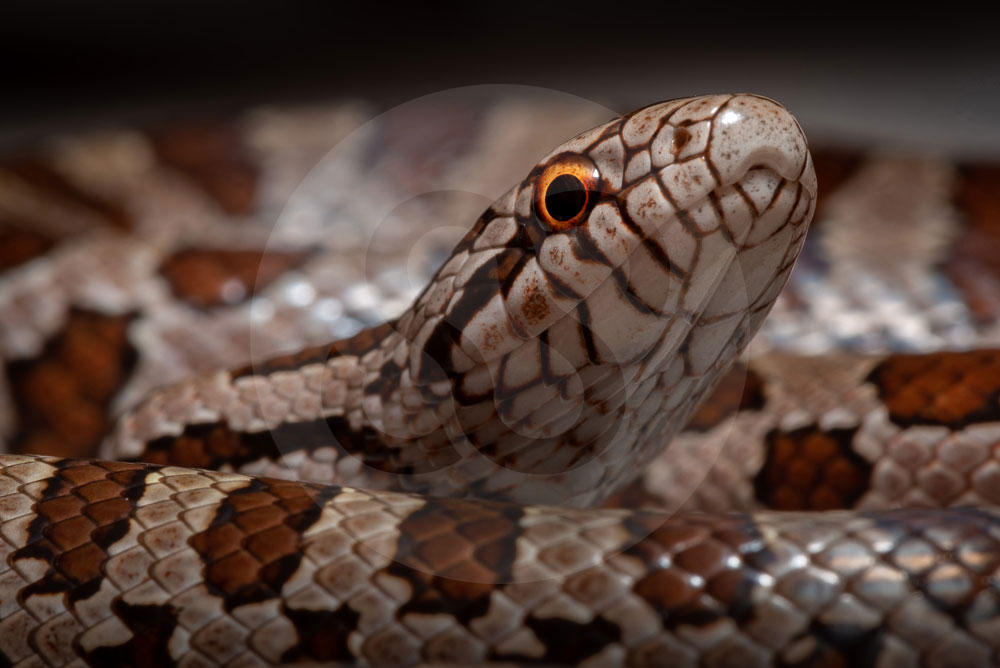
811	469
536	305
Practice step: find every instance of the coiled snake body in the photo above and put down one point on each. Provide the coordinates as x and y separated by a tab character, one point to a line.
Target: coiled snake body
568	337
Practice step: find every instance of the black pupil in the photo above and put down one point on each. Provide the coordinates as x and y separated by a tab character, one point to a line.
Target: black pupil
565	197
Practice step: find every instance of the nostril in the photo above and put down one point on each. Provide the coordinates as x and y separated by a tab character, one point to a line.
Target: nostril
681	137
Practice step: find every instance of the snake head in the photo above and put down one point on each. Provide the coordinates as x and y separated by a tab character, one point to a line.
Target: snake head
617	280
657	220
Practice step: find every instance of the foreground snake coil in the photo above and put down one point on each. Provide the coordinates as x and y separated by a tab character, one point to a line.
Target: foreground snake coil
568	337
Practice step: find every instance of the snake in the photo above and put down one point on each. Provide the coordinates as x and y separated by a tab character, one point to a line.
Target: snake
457	485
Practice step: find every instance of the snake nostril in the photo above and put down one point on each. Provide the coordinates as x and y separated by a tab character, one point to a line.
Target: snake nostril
681	137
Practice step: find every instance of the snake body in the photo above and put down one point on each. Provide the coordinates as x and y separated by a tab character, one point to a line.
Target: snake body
549	361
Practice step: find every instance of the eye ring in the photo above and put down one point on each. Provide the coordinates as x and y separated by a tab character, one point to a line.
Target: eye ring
566	191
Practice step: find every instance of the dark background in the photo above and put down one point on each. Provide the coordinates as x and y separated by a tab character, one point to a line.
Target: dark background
901	78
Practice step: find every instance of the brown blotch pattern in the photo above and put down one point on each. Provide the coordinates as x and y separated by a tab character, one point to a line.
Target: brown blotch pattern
953	389
765	589
455	553
213	155
210	277
18	246
253	545
215	445
706	577
80	512
811	469
741	389
63	395
974	261
49	183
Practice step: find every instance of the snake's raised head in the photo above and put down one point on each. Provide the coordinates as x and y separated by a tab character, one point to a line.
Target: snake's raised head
626	271
565	340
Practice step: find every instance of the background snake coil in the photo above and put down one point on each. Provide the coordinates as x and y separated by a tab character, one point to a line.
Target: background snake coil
569	336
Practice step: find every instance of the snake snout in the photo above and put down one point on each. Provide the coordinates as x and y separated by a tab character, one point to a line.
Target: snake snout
752	131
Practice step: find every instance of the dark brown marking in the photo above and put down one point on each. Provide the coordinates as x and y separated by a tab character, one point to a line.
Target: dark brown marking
586	333
740	389
387	382
214	445
63	395
455	554
212	154
206	278
322	634
811	469
708	577
18	246
73	535
648	242
567	643
484	284
253	545
953	389
49	183
152	627
974	259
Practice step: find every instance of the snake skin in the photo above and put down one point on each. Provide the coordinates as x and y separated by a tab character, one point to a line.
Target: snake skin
125	563
897	431
535	367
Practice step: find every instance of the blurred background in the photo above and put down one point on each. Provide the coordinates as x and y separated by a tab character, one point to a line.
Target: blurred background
911	77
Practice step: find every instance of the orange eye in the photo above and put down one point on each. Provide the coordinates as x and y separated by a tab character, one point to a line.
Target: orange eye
566	191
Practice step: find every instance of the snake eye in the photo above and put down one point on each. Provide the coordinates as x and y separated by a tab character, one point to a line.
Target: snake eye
566	191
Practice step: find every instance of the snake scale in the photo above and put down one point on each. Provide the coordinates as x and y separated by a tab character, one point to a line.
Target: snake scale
454	453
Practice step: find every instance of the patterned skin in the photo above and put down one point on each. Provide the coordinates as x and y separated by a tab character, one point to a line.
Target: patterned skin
114	562
546	361
880	431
